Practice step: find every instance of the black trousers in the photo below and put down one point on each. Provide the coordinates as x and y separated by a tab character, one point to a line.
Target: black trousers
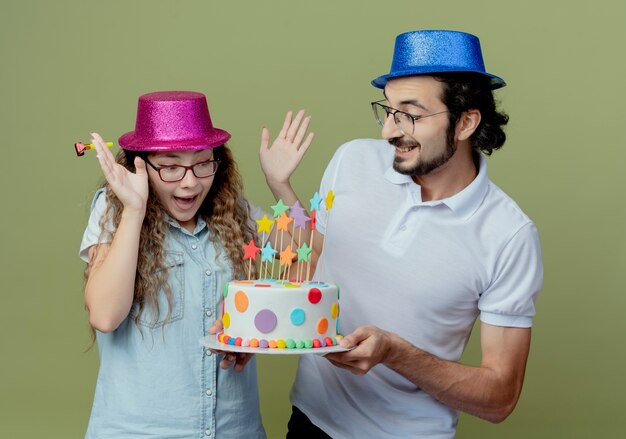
301	427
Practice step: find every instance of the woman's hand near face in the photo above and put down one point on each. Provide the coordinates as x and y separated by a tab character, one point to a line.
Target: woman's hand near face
130	188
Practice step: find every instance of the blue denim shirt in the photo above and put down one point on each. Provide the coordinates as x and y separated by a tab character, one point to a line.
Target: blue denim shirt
155	379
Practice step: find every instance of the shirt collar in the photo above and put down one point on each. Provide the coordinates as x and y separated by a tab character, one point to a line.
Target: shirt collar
395	177
463	203
466	202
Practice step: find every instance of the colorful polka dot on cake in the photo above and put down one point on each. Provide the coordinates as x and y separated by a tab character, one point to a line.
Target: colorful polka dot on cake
241	301
322	325
334	310
315	295
297	316
265	321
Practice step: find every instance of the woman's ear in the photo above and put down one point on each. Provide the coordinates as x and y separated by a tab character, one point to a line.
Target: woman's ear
467	124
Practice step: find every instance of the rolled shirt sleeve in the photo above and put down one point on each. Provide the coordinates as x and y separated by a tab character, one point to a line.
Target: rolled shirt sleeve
517	280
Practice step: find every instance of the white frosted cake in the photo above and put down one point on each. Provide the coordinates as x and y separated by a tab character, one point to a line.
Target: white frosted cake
280	314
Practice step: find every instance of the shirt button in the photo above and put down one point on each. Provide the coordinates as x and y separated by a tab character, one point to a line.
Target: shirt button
208	272
194	246
209	392
208	353
209	313
208	433
402	228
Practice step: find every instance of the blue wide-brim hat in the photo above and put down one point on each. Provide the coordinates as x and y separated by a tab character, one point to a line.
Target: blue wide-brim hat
425	52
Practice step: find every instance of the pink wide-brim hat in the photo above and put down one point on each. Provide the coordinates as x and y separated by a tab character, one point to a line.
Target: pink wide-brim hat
173	120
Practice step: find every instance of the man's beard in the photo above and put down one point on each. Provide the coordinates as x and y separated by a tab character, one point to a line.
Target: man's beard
421	167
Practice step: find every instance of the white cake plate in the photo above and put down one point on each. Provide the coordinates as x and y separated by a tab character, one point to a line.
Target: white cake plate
211	342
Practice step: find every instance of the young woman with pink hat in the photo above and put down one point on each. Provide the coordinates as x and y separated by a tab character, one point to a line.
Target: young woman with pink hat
165	233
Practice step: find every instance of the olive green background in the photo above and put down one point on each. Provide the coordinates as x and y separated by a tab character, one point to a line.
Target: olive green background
71	67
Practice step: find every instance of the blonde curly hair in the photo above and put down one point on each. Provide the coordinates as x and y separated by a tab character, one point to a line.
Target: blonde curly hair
225	211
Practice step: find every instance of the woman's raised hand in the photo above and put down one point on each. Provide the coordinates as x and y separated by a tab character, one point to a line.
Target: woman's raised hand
130	188
280	160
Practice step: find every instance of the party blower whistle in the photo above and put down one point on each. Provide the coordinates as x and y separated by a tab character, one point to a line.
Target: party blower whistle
82	147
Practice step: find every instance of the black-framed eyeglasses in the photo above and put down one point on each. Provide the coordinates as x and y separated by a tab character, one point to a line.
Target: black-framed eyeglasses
173	173
404	120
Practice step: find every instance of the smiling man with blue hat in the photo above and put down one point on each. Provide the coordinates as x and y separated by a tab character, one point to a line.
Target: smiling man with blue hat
421	243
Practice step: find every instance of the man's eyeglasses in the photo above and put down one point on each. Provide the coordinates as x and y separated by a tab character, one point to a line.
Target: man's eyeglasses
173	173
404	121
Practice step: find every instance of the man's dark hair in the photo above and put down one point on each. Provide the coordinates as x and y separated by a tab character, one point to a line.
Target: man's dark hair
463	91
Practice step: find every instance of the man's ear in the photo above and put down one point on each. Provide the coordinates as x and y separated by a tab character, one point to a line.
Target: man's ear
467	124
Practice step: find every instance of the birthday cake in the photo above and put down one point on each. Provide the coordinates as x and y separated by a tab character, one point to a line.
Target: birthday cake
274	312
280	314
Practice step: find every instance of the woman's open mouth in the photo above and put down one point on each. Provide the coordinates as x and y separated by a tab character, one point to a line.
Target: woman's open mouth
185	202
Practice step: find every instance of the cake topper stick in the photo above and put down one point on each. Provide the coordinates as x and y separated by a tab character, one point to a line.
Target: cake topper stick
286	258
282	225
265	226
330	198
291	243
313	221
279	208
304	255
315	206
299	263
268	254
289	272
298	213
274	260
81	147
250	252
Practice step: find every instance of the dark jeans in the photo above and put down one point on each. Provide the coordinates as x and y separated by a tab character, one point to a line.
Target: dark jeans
301	427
